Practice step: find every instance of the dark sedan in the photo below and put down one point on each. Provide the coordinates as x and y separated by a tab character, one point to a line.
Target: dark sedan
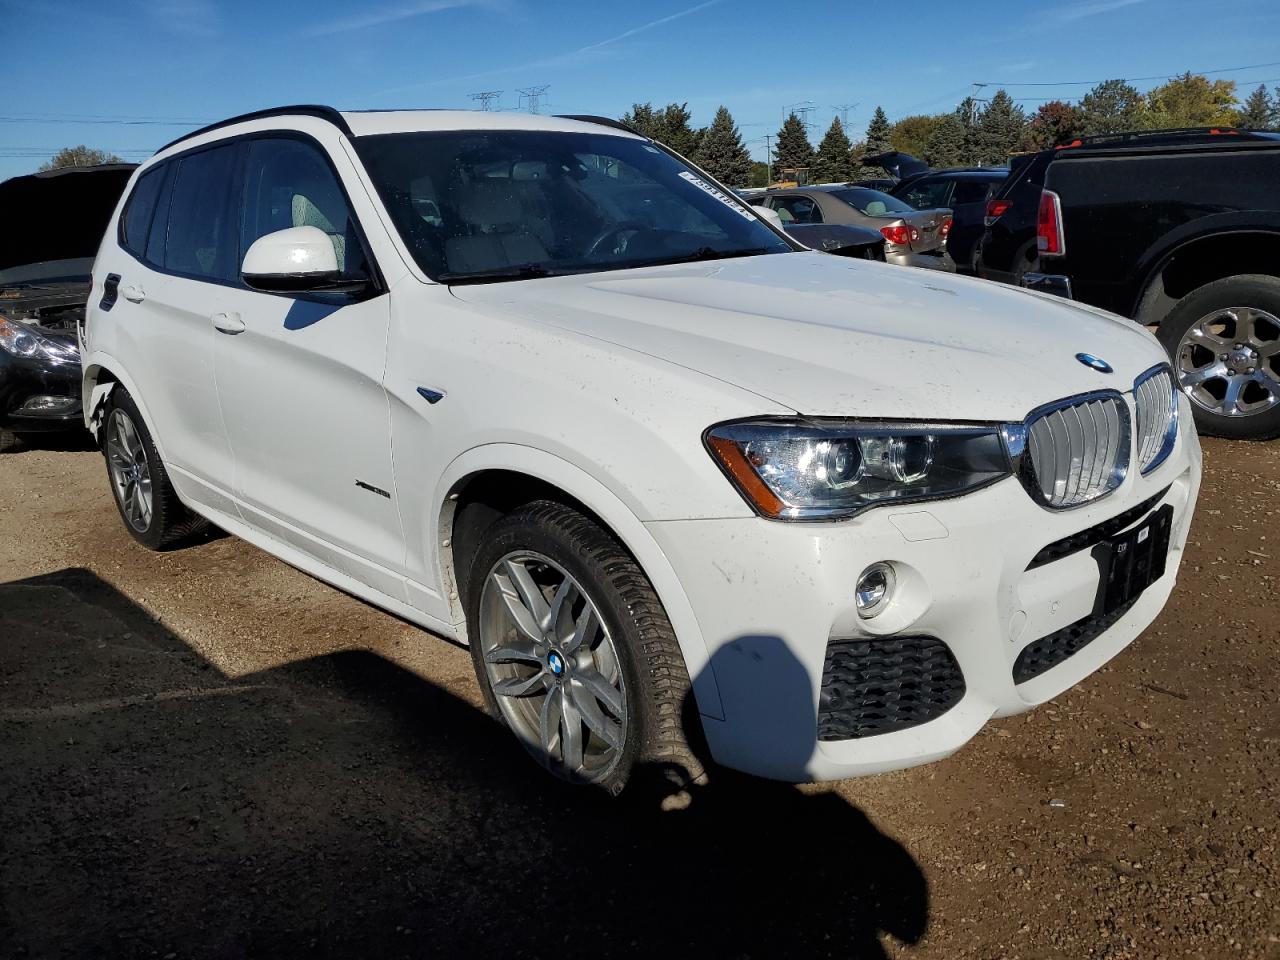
54	222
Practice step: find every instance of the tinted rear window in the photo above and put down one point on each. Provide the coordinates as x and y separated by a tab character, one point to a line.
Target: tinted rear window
142	205
202	235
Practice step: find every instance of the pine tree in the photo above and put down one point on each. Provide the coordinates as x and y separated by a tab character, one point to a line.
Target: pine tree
999	129
669	126
1113	106
878	131
721	152
834	161
1259	111
967	114
946	147
794	152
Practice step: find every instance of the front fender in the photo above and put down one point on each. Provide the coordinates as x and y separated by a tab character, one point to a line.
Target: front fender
624	524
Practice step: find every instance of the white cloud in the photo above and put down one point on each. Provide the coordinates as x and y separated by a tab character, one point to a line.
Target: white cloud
378	16
1079	11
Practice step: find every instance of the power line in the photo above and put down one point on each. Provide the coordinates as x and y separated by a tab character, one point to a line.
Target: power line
103	120
1089	83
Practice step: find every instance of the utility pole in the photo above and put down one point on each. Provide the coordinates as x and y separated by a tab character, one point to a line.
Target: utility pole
768	158
533	96
485	98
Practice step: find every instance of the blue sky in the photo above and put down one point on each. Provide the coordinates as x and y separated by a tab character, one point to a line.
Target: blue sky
178	63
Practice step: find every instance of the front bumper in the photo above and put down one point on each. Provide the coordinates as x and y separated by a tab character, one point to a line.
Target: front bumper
24	380
771	597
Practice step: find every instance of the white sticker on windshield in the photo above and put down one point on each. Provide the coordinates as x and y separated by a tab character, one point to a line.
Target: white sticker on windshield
718	194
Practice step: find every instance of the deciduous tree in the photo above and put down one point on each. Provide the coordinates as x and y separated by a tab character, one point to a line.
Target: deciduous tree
78	156
911	134
1192	100
1054	122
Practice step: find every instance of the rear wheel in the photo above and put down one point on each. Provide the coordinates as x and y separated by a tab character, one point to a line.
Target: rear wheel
1224	340
148	504
573	650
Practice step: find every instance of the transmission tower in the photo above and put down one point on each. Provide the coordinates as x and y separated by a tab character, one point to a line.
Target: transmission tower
532	96
843	109
485	98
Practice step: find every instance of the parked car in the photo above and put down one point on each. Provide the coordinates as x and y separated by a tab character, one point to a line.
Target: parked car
669	483
965	193
1007	249
913	238
1180	230
53	223
839	239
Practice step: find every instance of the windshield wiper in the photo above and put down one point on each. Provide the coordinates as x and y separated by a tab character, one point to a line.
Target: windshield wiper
524	271
710	253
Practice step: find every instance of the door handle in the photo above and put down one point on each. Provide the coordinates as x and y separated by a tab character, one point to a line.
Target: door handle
228	323
133	293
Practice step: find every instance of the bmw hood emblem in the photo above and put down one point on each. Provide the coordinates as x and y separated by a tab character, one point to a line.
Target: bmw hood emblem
1094	363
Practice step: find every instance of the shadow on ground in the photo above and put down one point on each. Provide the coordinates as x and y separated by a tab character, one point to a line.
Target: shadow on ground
342	806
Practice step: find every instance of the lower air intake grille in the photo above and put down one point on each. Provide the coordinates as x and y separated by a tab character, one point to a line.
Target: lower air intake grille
1047	652
881	686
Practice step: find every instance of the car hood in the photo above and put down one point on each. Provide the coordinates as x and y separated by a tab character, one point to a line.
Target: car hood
58	215
828	336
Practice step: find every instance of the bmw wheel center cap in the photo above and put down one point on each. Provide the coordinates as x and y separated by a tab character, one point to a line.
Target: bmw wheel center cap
556	662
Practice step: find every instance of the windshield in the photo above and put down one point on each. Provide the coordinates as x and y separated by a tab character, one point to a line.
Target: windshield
872	202
487	205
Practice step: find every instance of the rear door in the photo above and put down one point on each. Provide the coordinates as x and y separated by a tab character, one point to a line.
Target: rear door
968	208
299	378
177	231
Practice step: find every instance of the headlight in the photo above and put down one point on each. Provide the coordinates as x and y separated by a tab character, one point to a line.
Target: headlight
825	469
23	341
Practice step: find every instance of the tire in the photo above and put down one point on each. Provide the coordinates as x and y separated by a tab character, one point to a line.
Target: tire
9	441
140	486
1223	340
636	645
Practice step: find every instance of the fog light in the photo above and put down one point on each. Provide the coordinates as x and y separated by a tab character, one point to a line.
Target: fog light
874	589
44	403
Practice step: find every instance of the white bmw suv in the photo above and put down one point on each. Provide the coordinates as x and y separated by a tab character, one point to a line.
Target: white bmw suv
540	385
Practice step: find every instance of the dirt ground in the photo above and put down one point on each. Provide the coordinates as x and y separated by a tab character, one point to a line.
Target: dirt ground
208	754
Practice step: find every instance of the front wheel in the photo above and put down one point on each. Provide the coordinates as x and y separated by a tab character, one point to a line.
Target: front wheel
573	650
1224	340
148	504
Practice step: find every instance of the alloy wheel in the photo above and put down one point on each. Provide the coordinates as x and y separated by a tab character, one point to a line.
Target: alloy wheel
130	473
553	666
1229	362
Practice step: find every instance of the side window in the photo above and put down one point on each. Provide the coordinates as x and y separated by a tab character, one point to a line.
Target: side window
927	194
971	191
201	241
160	222
797	210
289	183
138	213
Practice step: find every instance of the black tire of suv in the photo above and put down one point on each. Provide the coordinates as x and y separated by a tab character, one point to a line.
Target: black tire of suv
1253	290
658	688
172	524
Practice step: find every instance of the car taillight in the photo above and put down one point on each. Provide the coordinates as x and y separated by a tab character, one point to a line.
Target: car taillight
945	228
1049	239
898	234
995	210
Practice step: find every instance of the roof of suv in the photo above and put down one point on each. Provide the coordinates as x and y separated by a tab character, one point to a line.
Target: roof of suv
361	123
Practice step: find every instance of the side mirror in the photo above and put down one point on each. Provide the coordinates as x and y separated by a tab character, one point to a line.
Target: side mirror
764	213
290	260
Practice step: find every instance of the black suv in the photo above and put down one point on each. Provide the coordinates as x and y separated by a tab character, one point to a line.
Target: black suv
966	193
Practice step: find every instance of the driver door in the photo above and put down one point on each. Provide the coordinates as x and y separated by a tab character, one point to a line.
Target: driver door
299	380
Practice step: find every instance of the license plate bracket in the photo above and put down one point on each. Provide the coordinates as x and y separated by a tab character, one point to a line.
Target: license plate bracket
1132	561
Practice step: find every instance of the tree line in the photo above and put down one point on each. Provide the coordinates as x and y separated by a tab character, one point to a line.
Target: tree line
975	133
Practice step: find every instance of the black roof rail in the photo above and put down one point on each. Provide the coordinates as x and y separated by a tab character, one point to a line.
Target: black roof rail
1172	134
298	110
603	121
